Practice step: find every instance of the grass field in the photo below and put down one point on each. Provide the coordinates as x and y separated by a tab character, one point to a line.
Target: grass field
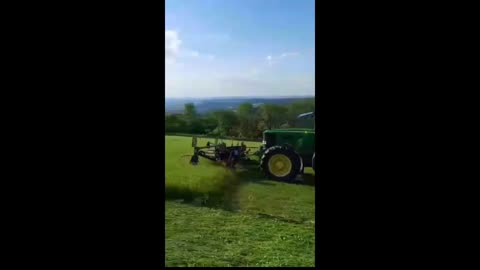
216	217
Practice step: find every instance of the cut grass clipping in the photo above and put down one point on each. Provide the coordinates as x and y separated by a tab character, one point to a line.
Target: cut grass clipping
217	190
217	217
208	183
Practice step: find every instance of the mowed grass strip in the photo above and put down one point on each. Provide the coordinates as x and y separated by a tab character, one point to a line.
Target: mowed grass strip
250	222
201	236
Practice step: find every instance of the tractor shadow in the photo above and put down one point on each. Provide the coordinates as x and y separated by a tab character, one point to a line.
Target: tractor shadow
252	173
225	196
308	179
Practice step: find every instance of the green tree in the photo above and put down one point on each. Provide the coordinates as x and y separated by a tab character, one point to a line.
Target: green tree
194	124
272	116
246	120
209	123
190	112
174	123
226	123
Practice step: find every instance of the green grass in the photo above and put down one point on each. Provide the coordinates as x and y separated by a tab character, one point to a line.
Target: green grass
216	217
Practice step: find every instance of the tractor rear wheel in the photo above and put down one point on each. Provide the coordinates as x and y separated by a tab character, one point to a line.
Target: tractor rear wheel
280	163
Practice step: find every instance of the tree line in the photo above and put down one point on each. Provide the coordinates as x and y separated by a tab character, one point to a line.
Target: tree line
247	121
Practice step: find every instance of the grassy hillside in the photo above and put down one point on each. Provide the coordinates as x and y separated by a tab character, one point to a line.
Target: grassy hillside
215	217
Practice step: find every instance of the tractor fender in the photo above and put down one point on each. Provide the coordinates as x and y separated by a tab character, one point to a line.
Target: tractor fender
313	161
298	155
301	162
289	146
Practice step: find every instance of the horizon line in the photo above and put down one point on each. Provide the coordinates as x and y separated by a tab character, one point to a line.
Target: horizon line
268	97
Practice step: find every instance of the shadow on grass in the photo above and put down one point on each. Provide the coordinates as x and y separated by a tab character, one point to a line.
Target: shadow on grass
221	192
252	173
225	192
308	179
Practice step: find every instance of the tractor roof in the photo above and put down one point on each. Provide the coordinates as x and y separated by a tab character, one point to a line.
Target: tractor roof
293	130
307	115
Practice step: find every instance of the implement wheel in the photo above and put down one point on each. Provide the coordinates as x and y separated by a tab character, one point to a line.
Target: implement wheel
280	163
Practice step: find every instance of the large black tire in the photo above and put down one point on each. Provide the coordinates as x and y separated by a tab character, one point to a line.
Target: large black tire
277	151
313	162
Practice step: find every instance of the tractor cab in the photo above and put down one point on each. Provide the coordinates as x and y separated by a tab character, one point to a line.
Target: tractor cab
307	117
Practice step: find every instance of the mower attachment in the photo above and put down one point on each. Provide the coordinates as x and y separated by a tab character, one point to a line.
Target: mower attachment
220	152
194	141
194	160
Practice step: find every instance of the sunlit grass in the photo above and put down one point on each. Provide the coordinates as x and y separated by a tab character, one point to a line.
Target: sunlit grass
217	217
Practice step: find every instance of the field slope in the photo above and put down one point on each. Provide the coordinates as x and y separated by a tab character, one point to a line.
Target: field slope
215	217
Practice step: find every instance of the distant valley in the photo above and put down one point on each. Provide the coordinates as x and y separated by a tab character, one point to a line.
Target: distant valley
203	105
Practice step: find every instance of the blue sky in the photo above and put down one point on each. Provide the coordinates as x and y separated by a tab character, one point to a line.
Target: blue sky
239	48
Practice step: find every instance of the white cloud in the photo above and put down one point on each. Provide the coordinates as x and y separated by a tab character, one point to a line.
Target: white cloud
275	59
287	54
269	60
174	50
172	44
196	54
191	76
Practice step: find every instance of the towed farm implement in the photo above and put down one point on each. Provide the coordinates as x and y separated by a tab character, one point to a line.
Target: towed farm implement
220	152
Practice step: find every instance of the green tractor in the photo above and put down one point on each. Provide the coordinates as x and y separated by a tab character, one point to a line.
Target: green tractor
286	152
